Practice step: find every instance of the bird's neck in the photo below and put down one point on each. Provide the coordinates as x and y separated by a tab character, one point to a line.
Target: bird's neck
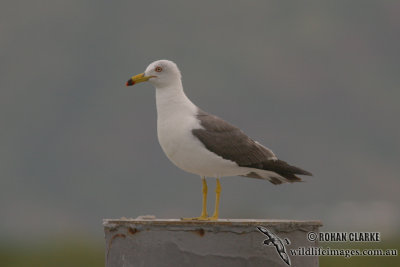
171	100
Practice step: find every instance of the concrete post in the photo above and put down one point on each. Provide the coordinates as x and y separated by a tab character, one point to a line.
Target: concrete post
226	242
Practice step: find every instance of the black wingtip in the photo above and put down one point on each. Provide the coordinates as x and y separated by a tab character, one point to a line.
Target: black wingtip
306	173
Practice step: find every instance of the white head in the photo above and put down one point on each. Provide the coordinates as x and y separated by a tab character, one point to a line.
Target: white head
160	73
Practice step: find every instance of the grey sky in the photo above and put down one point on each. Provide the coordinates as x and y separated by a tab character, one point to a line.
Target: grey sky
318	83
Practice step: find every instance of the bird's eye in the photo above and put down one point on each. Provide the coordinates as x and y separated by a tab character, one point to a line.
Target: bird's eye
158	69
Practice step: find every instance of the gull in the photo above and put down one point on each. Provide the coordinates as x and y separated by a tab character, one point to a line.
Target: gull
203	144
274	240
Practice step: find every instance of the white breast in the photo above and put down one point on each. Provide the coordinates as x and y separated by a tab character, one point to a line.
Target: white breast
176	118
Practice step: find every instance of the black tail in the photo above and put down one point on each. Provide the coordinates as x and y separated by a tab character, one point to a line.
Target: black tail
282	168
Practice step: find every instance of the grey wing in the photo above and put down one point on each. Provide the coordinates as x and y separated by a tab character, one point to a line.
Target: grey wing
231	143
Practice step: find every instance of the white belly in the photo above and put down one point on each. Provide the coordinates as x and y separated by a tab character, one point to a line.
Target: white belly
188	153
176	117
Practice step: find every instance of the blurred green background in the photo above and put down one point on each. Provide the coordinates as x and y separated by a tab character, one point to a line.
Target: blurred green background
78	252
316	81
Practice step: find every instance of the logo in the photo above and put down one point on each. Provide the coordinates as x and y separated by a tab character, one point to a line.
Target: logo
274	240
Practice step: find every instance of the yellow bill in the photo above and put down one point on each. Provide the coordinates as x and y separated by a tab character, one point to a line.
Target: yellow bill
137	79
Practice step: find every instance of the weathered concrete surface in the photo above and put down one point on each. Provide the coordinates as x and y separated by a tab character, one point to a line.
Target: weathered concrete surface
226	242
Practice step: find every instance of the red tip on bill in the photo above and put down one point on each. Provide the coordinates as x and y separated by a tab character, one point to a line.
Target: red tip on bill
130	82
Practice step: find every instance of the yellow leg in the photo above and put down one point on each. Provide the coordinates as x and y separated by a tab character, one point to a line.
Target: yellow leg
204	215
204	207
217	195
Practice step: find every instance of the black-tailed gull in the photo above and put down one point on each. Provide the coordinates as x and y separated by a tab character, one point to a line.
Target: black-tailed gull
204	144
